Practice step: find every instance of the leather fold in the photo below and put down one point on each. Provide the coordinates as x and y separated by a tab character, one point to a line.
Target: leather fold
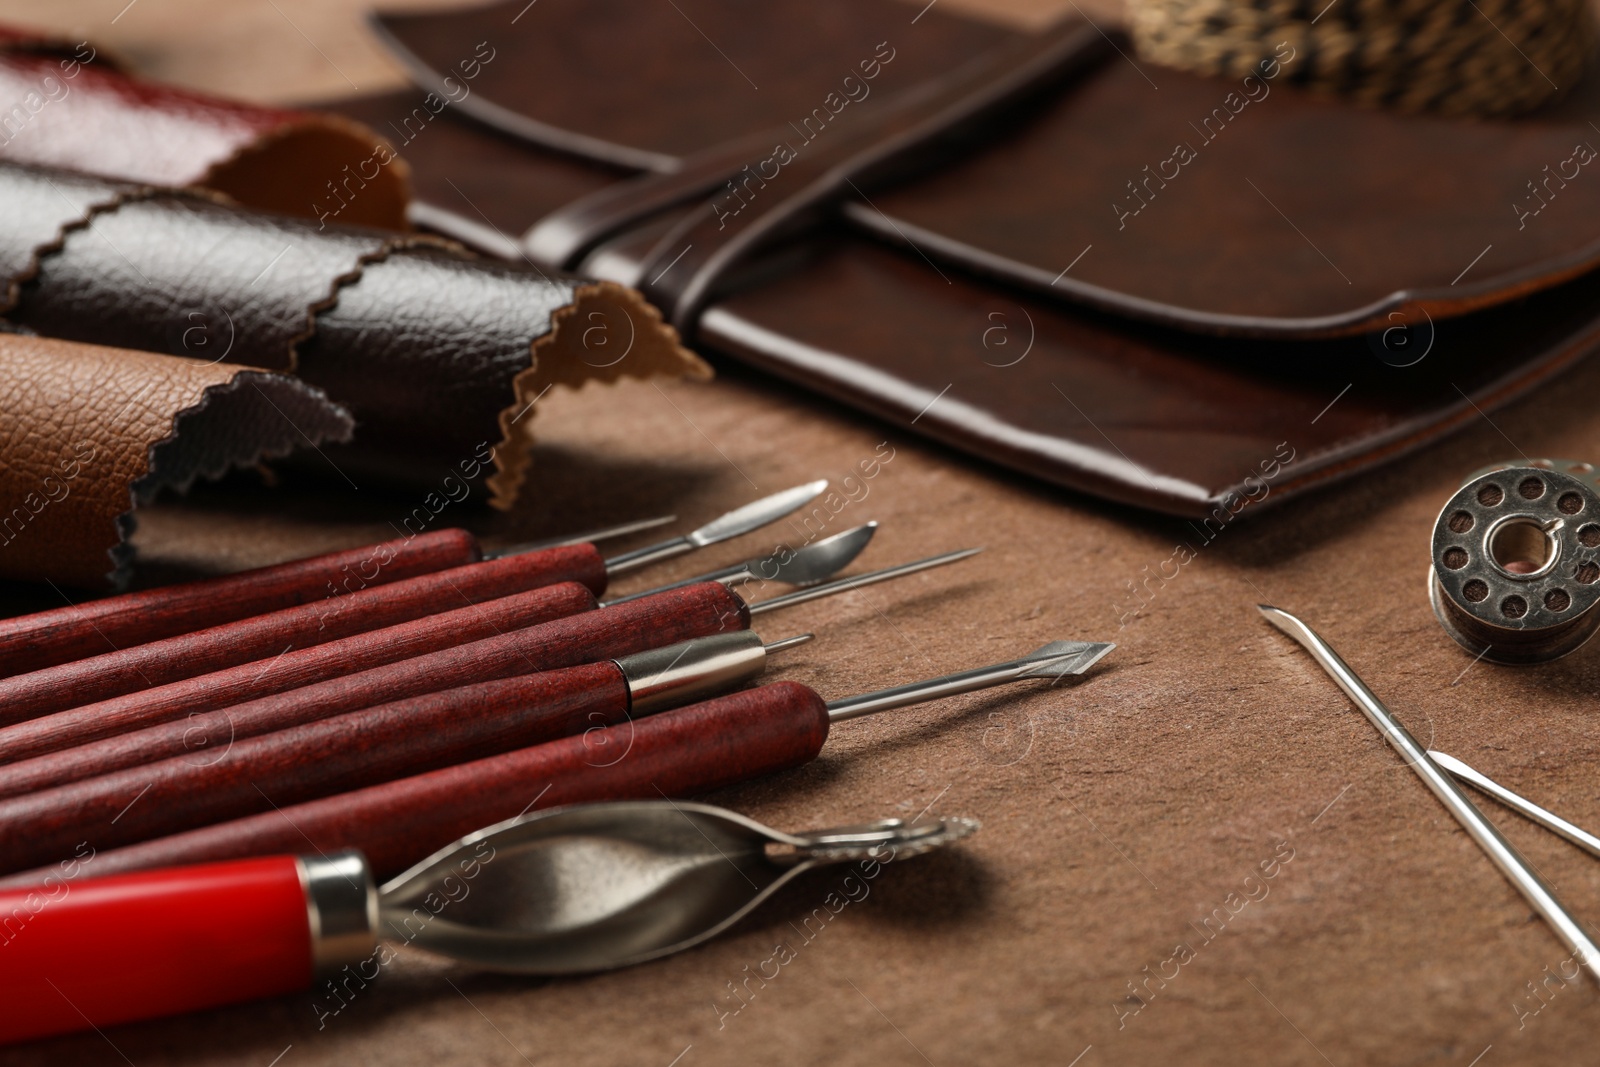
431	347
72	107
1128	280
92	433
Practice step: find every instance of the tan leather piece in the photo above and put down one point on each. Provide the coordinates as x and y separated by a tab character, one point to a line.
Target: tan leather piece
607	333
91	432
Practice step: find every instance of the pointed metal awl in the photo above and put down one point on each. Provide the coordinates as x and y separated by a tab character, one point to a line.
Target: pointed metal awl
1055	660
858	581
1481	830
1517	803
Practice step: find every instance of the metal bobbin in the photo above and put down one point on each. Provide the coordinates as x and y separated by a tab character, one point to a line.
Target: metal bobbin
1516	561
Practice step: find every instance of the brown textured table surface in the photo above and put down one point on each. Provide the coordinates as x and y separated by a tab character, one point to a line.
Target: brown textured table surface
1127	820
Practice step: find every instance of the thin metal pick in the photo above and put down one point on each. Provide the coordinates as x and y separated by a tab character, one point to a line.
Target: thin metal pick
1481	830
1519	804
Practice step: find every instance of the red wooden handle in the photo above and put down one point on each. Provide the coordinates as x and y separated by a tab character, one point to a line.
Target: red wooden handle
285	767
82	953
676	753
128	670
182	719
61	635
621	630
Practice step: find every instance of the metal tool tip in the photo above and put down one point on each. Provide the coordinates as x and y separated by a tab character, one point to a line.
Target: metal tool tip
1061	658
787	642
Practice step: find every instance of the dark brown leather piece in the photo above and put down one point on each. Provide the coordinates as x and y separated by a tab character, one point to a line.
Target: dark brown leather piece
92	432
567	73
435	353
1148	416
1163	418
1317	246
70	108
1302	216
783	187
189	276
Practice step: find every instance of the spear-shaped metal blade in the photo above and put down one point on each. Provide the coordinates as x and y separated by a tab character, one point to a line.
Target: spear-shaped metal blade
1054	660
1061	658
740	521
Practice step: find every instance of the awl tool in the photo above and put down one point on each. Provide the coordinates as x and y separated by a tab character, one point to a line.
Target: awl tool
1481	830
77	631
231	777
351	656
187	655
578	889
676	753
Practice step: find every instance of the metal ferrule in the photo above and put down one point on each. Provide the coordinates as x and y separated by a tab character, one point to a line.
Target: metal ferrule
342	906
683	673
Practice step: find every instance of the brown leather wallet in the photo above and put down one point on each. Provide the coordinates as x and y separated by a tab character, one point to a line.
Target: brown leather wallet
1185	293
93	432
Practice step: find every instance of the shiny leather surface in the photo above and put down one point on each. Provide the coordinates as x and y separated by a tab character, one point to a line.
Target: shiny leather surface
1296	217
426	347
90	431
1164	418
72	108
567	72
188	276
440	353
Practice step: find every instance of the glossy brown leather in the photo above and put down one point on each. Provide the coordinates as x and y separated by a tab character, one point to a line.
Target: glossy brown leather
70	107
435	350
965	345
1297	217
90	432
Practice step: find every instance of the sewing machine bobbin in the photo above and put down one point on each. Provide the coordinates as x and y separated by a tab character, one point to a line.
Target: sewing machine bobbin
1515	574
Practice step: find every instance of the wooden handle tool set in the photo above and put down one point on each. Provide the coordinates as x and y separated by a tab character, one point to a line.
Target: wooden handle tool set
439	691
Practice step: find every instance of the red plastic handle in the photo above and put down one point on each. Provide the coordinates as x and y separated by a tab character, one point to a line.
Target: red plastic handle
70	685
676	753
76	953
61	635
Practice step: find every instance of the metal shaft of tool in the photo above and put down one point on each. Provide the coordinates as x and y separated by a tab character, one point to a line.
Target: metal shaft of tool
1519	804
751	516
590	537
844	585
805	566
1496	847
1072	657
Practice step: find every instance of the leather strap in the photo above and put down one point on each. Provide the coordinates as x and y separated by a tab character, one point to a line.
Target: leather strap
93	432
767	185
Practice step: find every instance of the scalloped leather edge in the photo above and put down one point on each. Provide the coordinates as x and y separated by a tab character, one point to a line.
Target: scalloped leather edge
654	351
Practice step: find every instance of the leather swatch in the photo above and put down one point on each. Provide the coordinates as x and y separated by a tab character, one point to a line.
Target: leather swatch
74	108
438	353
92	432
1158	353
